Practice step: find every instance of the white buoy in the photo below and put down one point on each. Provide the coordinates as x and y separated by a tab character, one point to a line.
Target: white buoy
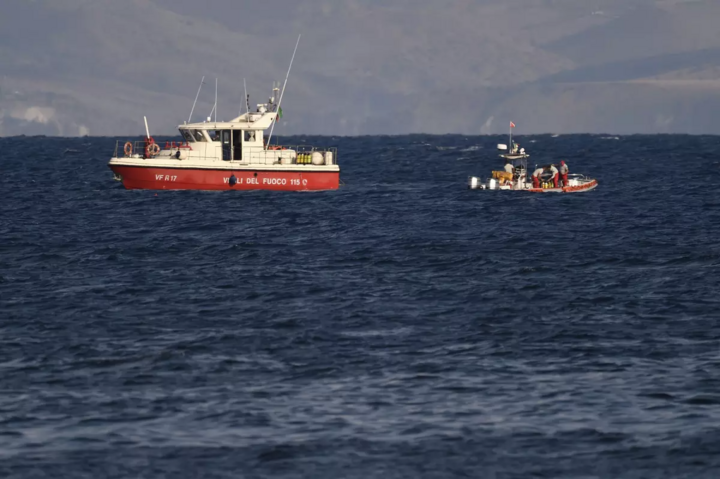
317	158
328	158
473	182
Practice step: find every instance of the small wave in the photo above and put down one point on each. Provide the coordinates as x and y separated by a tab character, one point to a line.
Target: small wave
703	400
378	332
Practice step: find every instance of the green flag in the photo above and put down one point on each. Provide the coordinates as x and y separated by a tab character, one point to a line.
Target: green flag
279	113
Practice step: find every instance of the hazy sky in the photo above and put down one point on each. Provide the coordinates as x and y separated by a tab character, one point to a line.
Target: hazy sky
364	66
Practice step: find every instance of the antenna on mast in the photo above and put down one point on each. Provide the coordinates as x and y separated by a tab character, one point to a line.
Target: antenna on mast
215	108
196	98
147	130
276	89
247	104
241	105
282	92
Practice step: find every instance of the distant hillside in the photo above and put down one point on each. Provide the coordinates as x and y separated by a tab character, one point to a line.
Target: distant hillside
74	67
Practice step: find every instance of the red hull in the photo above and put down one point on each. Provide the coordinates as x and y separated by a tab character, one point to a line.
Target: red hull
144	178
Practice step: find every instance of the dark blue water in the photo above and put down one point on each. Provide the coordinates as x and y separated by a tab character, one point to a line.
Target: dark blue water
402	326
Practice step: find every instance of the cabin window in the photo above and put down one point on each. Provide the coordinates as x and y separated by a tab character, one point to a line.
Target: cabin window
250	135
226	146
187	136
198	134
215	135
237	146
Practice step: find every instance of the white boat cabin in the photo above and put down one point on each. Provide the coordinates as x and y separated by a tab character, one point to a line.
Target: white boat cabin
240	141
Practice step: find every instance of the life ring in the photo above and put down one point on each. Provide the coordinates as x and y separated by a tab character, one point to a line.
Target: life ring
152	149
128	148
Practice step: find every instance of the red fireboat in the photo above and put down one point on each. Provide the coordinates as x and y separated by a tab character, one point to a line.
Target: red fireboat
227	155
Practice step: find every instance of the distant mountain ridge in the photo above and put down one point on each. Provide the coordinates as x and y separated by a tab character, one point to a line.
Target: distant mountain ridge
364	66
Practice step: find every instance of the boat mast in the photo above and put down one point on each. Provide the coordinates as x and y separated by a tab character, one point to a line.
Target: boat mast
196	98
282	92
511	144
247	104
245	98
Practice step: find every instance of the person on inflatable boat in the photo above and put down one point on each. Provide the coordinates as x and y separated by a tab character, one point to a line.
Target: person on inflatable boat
564	170
537	174
509	168
554	175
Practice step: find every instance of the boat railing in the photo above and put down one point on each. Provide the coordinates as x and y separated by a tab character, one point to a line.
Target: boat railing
273	155
142	149
294	155
578	176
